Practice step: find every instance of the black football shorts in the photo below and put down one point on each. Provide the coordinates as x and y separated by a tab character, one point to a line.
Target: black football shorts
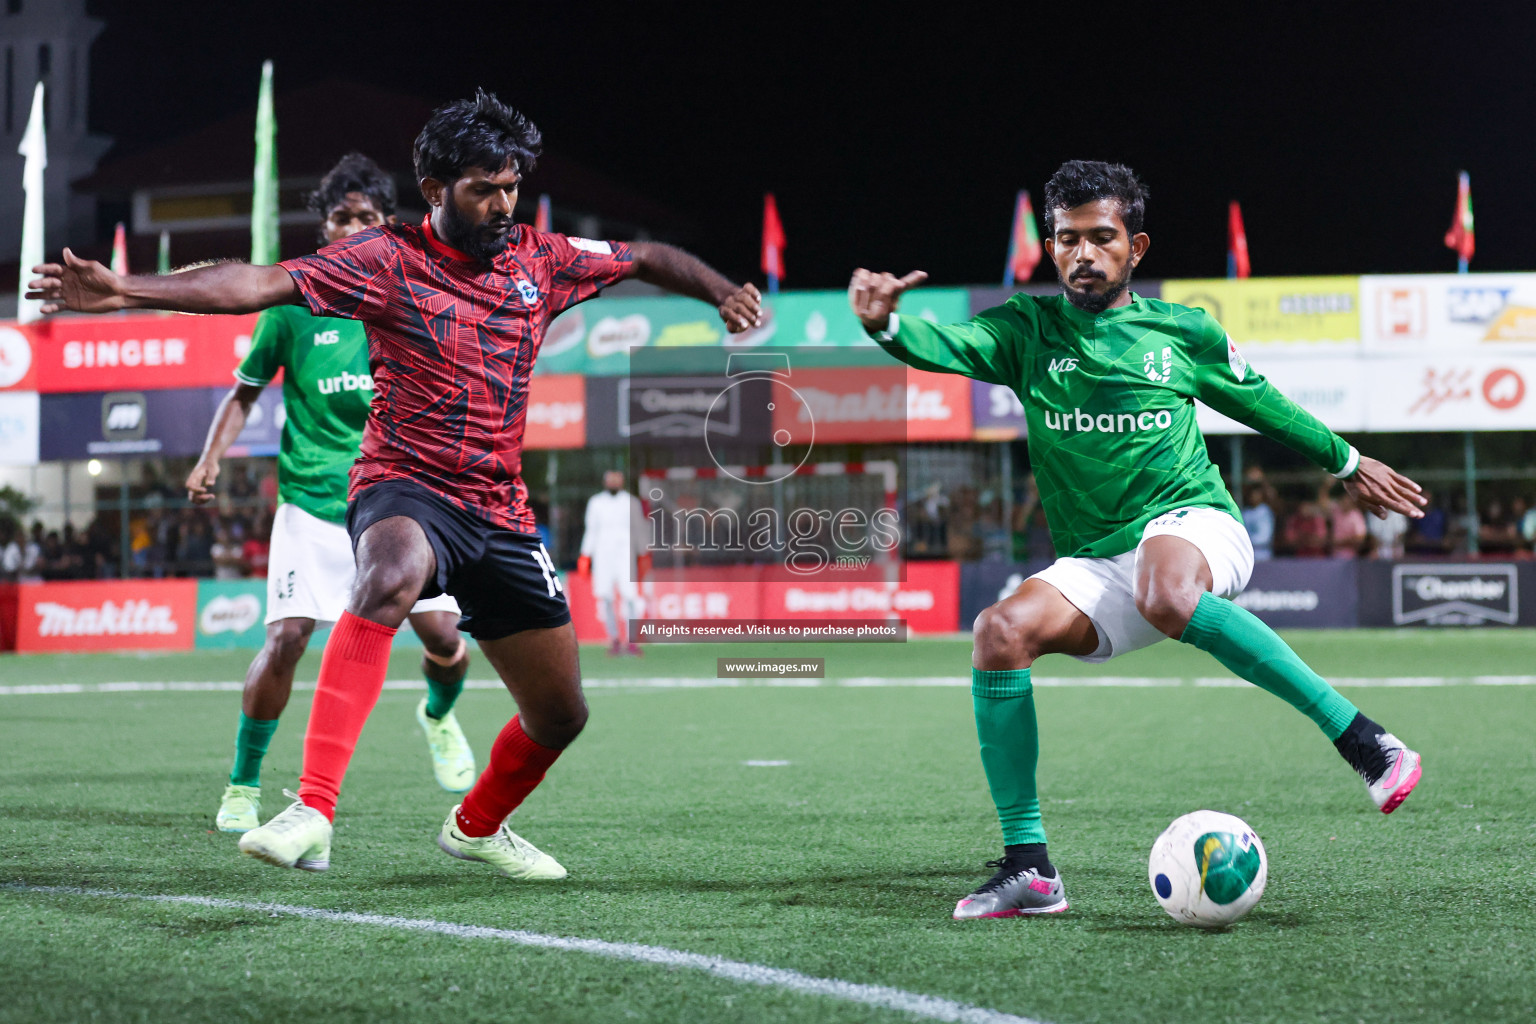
504	581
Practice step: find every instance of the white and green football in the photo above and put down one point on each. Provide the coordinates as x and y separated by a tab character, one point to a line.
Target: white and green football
1208	869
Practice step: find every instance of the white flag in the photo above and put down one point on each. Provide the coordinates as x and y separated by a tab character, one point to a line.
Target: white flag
35	148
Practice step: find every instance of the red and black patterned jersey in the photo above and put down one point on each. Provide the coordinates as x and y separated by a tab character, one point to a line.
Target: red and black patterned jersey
451	345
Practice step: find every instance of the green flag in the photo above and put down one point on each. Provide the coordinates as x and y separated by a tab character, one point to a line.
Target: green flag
264	240
163	264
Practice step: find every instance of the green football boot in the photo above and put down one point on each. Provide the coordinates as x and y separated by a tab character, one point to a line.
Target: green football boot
452	761
240	810
299	837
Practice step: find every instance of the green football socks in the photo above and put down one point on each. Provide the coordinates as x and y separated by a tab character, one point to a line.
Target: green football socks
1004	702
441	695
250	747
1237	639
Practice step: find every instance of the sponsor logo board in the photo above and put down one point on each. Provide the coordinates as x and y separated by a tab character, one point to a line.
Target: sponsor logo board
877	404
1467	392
557	412
90	615
1467	313
16	361
230	613
1455	595
1278	316
19	438
140	352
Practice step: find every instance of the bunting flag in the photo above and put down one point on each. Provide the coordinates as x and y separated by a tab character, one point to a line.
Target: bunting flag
264	236
773	243
120	250
1460	236
1237	242
541	219
34	146
1023	243
163	263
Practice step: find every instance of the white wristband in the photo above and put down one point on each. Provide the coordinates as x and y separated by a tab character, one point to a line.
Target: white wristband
891	327
1350	464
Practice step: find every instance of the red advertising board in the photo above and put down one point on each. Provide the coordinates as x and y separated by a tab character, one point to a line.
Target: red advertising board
929	598
557	412
140	352
877	403
18	357
106	615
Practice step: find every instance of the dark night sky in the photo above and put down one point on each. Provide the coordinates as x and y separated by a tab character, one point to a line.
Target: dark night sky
898	142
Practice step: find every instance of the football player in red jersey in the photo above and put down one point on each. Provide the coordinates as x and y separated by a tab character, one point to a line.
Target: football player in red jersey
455	308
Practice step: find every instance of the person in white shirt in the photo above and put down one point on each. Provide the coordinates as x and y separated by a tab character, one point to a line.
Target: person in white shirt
613	554
1388	533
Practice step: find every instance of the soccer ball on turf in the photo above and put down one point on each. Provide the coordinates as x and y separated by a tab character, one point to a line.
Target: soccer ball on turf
1208	869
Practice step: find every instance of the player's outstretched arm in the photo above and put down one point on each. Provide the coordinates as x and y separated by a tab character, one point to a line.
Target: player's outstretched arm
86	286
234	410
988	347
1381	489
667	266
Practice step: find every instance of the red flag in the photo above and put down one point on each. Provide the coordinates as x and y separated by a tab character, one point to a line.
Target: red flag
120	250
1023	243
541	218
1461	237
773	239
1237	242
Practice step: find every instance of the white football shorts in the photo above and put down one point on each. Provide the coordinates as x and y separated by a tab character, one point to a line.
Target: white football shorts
1104	589
310	570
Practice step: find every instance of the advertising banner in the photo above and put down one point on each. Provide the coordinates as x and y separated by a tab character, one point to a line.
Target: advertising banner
929	598
1469	314
106	615
557	412
113	423
996	412
1317	593
18	360
140	352
1334	390
595	337
1448	594
717	598
230	613
1285	316
18	428
1451	391
893	403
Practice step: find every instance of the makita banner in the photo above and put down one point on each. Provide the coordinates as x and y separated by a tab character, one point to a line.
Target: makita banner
112	353
106	615
874	404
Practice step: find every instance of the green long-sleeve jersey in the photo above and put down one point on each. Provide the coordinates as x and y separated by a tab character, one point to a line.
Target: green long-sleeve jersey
1109	403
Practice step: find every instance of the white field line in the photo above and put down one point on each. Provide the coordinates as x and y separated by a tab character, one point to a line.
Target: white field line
882	996
708	683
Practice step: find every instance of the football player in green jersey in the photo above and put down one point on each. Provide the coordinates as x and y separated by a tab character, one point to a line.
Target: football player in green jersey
326	392
1149	542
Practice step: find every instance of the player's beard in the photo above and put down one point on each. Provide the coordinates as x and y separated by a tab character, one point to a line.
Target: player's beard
1095	303
483	242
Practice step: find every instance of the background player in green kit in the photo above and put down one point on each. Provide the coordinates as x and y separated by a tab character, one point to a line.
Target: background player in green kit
1149	541
326	392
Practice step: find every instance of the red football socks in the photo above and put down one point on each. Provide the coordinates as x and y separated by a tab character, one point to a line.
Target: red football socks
351	677
517	765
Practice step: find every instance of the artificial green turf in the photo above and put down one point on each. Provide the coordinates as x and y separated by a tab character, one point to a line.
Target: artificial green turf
844	864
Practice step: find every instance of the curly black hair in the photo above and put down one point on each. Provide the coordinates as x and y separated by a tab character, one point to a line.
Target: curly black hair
354	173
1083	181
483	132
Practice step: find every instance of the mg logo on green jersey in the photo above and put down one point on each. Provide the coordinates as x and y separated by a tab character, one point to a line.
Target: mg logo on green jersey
327	337
345	382
1062	365
1108	422
1149	366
